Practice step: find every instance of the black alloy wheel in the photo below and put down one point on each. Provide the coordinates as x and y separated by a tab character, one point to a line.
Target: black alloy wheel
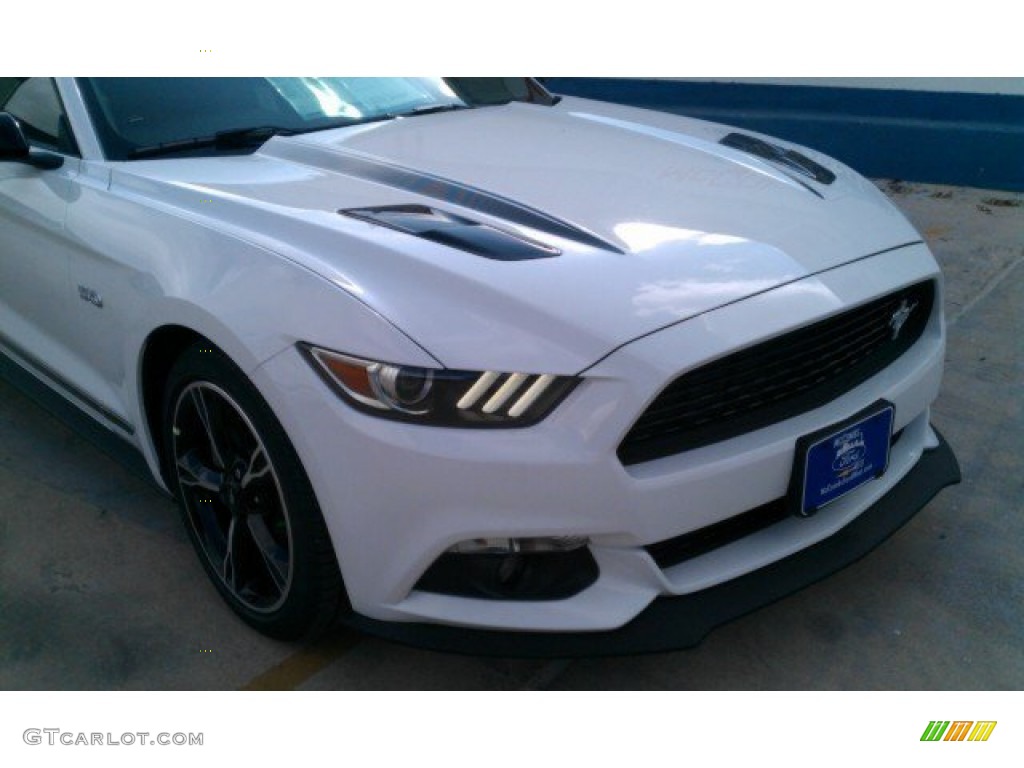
247	504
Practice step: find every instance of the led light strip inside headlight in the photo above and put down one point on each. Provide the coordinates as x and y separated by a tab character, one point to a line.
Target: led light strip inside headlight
440	396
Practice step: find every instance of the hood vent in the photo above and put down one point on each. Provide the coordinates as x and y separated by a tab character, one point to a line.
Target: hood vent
449	191
454	231
787	158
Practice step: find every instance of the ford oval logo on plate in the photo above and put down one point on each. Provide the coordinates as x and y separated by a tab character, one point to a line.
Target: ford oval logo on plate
850	451
833	462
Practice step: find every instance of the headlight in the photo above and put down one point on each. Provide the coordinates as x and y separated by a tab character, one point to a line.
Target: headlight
439	396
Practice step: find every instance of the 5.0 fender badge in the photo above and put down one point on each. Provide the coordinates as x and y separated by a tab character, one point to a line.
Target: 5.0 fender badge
88	294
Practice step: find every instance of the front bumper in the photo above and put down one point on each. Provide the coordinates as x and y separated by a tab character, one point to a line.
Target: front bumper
671	623
396	497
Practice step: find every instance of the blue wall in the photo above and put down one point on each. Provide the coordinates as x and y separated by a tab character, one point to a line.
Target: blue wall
967	139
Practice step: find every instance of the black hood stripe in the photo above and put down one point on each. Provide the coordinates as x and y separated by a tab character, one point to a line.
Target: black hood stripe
787	158
463	195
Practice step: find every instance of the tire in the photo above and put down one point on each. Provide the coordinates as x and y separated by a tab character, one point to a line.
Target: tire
246	501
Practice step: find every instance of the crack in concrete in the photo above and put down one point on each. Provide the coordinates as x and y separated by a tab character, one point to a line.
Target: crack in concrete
990	286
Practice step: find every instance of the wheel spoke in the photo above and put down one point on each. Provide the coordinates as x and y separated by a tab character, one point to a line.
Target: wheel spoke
197	474
258	459
229	567
204	416
274	557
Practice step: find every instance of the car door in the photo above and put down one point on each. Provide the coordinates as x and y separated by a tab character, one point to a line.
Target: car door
35	295
34	276
40	316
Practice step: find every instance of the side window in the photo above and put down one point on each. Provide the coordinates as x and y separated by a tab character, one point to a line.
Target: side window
37	105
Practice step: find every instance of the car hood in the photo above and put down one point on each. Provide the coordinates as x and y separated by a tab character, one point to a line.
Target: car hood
654	221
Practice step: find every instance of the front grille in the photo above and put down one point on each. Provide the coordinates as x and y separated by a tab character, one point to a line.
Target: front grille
779	378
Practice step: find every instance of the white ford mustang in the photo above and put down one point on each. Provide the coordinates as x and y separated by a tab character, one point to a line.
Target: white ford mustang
468	365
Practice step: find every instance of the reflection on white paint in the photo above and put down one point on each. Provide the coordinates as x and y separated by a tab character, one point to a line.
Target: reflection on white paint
346	283
678	299
714	270
641	236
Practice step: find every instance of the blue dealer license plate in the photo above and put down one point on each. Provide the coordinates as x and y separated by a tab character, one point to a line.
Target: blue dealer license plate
831	463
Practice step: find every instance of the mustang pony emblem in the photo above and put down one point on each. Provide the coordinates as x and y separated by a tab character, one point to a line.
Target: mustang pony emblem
900	317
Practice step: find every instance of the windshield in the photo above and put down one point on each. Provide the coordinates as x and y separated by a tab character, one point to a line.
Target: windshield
137	116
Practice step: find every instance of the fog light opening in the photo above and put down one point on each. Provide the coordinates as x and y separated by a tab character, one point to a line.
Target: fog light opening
498	568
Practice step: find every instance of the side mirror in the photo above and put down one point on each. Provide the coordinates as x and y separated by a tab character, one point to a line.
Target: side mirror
14	146
12	139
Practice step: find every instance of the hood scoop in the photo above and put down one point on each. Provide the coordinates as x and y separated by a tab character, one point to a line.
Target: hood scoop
787	158
454	231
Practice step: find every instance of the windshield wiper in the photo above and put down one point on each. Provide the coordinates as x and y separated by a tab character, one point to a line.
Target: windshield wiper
385	116
432	108
240	138
237	138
